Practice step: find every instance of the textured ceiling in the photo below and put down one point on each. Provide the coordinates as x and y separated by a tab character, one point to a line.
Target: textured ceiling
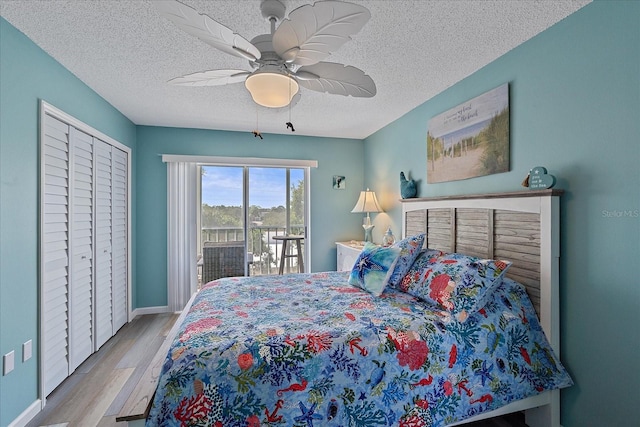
413	50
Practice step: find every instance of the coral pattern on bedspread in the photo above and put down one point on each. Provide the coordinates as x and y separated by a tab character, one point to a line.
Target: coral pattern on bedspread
310	350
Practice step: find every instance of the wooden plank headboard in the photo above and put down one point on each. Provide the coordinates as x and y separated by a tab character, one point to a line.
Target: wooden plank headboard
522	227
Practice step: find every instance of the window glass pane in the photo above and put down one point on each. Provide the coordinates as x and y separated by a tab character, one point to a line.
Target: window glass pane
267	187
222	209
267	215
297	197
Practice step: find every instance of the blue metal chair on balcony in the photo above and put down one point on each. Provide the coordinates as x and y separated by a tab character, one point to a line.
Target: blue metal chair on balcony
222	259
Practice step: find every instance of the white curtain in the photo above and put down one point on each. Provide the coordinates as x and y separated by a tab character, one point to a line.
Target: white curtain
181	233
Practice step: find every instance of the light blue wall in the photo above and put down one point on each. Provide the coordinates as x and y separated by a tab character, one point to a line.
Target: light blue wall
27	74
575	108
331	219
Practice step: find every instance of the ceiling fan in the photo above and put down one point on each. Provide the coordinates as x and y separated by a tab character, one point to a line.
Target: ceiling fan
290	56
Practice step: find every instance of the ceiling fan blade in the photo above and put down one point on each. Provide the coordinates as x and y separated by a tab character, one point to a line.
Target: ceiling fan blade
312	32
211	78
207	30
337	79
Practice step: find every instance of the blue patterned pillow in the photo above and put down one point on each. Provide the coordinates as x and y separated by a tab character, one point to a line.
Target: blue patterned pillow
410	247
373	268
457	283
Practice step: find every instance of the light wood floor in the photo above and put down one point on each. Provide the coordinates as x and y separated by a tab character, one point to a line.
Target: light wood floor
97	390
94	394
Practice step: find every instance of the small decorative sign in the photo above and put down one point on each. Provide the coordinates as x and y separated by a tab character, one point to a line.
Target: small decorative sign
540	179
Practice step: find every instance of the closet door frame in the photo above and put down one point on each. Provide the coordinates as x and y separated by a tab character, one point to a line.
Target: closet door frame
47	109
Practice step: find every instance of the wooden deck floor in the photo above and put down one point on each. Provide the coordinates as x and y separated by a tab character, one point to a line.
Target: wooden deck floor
98	389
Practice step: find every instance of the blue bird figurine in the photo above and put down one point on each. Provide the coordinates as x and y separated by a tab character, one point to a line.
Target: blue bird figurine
407	187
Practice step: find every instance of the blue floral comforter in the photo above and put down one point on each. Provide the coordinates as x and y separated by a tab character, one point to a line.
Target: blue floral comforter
310	350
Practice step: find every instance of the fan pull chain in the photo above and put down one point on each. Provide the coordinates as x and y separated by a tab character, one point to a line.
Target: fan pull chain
256	132
289	124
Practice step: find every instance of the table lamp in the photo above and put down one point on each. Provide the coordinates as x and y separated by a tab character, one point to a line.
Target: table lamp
367	203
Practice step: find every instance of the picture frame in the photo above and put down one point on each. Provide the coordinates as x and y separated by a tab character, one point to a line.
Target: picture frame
339	182
471	139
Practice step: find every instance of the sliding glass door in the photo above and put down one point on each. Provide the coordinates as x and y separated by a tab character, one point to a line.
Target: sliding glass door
247	206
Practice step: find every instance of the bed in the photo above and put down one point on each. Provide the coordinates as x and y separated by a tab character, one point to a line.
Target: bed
329	349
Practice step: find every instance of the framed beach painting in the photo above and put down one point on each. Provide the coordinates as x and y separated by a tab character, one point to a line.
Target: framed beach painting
471	139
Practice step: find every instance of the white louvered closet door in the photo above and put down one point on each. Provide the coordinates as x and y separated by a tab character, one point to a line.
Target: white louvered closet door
55	253
120	242
103	242
84	269
82	214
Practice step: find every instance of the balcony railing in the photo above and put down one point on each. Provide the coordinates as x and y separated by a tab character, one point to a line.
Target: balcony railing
262	250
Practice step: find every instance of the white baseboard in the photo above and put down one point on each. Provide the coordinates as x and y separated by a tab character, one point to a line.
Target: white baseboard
149	310
27	415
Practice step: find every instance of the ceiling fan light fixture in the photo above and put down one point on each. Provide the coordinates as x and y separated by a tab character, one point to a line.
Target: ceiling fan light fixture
271	88
290	55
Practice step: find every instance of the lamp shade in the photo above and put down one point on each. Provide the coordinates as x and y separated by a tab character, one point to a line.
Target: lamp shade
367	202
271	88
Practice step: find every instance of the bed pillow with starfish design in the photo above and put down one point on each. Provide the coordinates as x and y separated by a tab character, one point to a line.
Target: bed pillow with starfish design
374	267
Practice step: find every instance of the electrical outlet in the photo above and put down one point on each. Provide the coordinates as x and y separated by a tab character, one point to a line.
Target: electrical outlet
8	363
26	351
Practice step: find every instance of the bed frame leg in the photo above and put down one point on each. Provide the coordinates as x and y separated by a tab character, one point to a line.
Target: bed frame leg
547	415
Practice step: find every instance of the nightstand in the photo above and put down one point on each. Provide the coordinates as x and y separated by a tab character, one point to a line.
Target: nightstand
348	254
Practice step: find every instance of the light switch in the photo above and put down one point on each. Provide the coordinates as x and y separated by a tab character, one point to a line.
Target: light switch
7	363
26	351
